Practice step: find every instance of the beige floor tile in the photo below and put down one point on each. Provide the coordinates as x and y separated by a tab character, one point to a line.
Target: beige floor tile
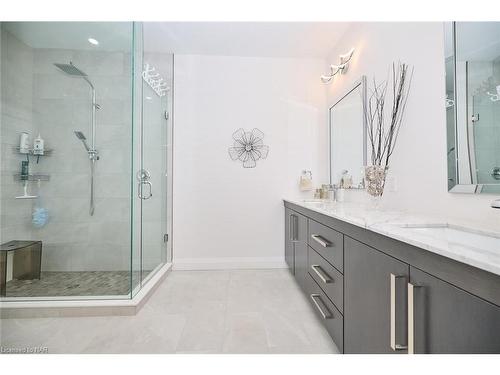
238	311
285	334
245	334
204	332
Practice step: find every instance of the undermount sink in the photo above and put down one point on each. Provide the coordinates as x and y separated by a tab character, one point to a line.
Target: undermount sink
457	235
317	202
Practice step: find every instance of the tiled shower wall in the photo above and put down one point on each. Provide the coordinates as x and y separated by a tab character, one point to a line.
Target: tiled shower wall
16	74
55	105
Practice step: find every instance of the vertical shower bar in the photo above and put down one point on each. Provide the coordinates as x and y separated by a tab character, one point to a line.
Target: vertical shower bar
93	152
94	155
93	129
92	170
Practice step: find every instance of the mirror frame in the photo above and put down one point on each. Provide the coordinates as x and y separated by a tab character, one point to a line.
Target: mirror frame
360	82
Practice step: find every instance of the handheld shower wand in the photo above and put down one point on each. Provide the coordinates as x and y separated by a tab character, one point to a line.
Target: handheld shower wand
93	154
82	138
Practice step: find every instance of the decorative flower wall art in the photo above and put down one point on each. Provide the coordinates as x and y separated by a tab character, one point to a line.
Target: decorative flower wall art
248	147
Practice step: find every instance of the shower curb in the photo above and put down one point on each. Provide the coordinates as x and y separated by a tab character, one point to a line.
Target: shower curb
51	309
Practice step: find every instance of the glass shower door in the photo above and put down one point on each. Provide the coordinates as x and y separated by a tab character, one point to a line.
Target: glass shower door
152	184
153	181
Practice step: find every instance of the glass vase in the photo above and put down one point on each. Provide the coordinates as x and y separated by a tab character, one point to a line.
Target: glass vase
375	179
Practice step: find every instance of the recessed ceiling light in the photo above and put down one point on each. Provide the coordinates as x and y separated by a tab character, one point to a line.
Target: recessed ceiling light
93	41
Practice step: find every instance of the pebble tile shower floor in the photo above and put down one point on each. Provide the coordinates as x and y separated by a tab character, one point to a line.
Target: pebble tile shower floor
85	283
239	311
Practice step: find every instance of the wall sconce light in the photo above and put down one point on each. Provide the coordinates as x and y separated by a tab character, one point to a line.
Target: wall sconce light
341	68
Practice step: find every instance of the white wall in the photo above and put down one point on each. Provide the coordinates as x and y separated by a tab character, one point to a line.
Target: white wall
224	215
419	162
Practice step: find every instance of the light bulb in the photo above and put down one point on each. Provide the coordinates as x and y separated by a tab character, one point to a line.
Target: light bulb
93	41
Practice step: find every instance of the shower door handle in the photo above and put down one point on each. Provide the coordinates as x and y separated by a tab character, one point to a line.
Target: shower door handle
143	176
141	189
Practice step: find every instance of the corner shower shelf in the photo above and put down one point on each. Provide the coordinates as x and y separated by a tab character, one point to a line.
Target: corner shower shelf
47	152
32	177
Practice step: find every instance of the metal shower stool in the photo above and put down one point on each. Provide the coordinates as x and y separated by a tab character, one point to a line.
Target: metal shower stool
26	261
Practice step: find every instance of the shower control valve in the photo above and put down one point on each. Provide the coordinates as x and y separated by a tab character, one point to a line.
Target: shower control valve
93	155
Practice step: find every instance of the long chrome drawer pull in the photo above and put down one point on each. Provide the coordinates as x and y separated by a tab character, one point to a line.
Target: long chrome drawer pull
296	228
321	274
411	317
394	346
293	227
321	240
328	314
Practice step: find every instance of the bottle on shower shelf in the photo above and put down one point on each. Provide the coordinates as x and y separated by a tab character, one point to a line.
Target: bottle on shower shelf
25	175
24	143
38	147
25	170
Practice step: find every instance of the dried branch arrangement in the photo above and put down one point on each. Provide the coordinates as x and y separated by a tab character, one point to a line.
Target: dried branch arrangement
383	124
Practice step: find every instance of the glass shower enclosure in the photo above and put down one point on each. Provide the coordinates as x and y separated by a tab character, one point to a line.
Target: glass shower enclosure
85	141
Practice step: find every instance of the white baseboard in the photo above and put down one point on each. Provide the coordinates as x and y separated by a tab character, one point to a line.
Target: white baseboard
228	263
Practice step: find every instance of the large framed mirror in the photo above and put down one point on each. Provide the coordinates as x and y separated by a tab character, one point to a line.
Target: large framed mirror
472	65
347	134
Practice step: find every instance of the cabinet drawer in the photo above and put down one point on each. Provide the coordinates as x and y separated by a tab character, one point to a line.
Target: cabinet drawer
327	277
327	312
328	243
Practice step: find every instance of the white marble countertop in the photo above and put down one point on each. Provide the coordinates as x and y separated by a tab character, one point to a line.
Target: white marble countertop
473	249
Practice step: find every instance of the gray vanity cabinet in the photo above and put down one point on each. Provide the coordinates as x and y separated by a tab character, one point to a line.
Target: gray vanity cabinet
326	311
375	294
301	250
446	319
289	240
296	245
369	295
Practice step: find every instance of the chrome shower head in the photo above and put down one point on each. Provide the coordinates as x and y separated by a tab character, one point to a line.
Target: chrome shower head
71	70
82	138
